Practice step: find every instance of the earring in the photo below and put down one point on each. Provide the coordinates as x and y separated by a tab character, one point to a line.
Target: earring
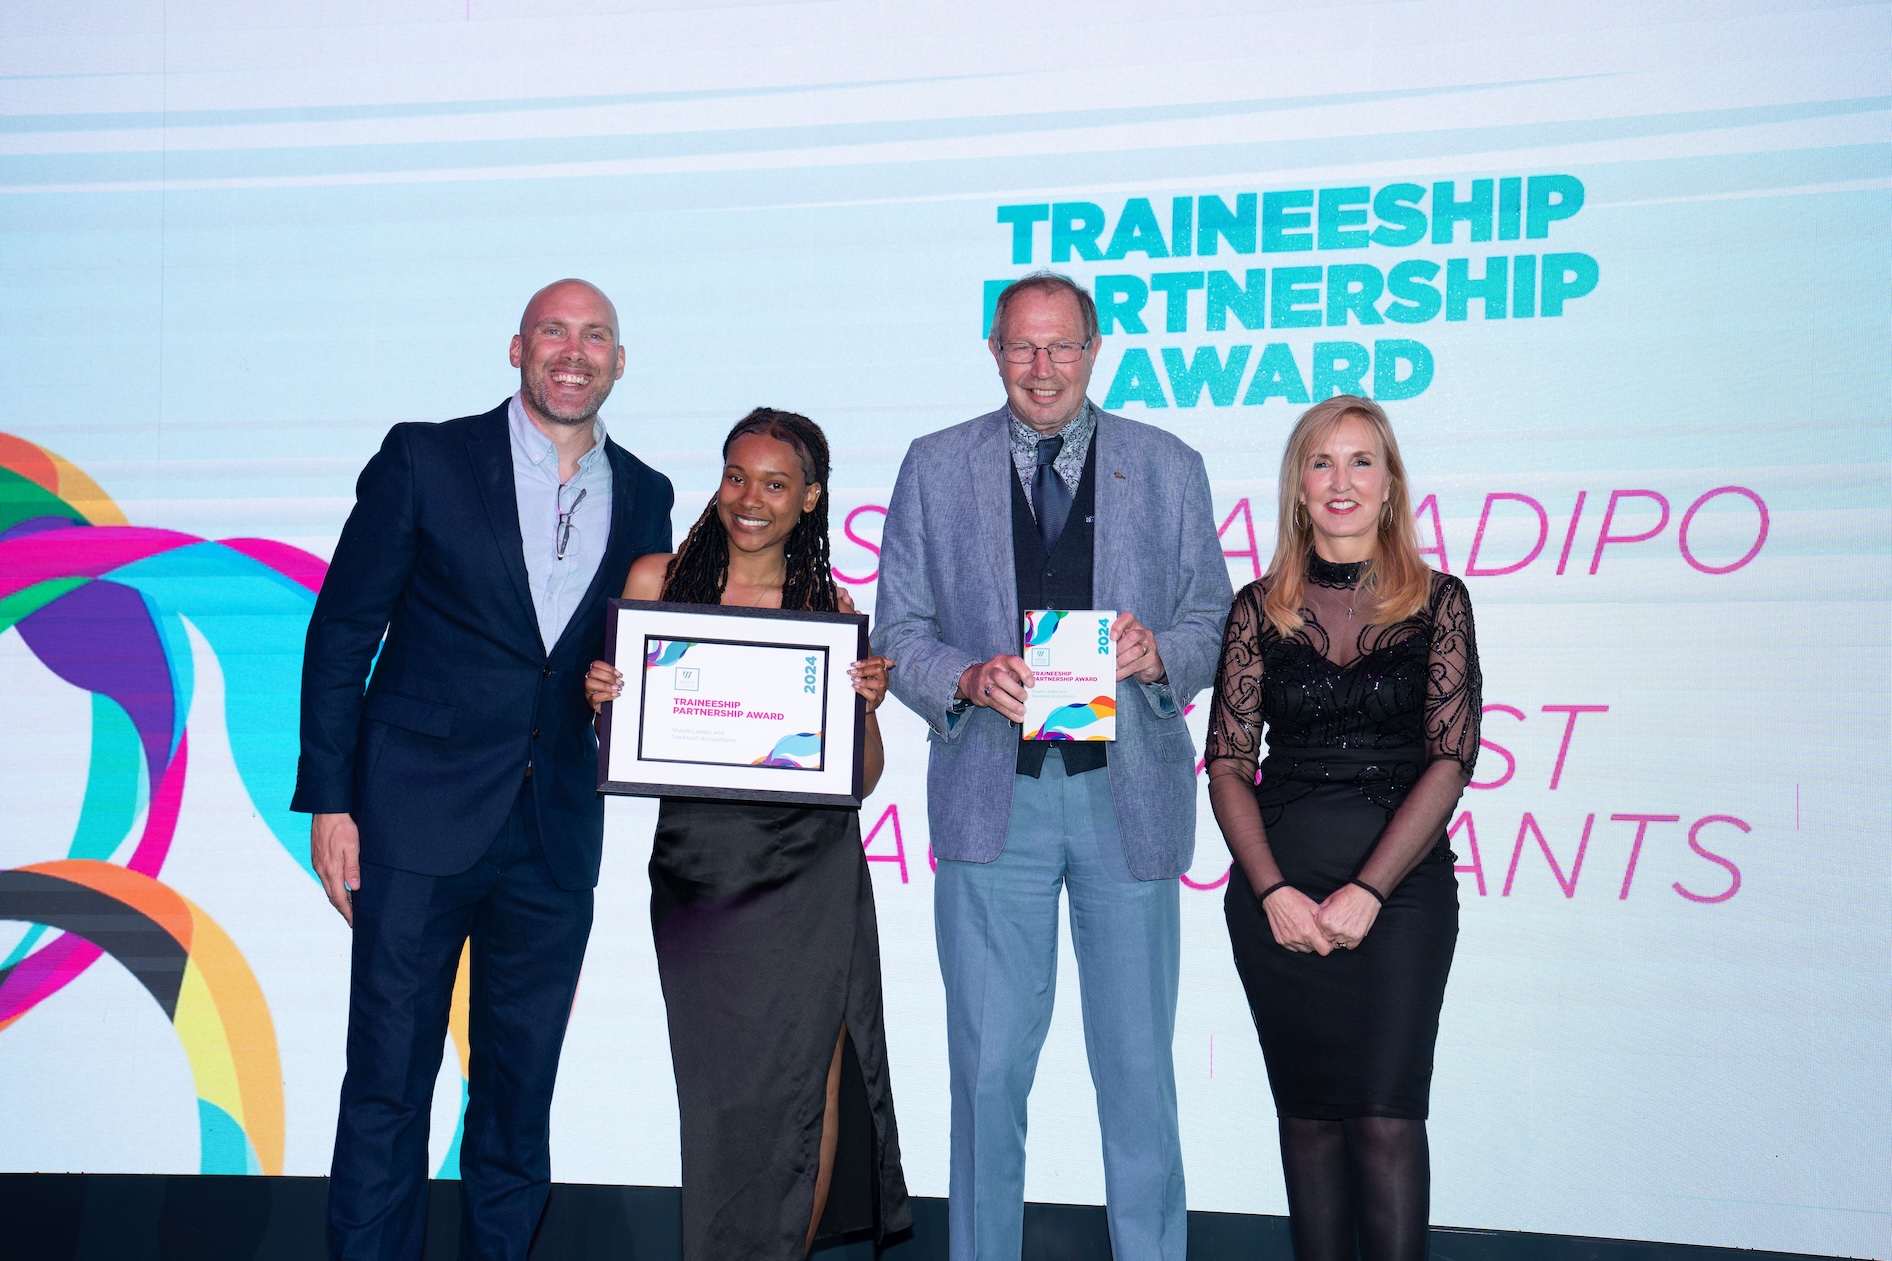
1300	516
1386	514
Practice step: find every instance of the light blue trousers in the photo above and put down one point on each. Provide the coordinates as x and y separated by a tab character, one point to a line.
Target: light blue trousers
997	928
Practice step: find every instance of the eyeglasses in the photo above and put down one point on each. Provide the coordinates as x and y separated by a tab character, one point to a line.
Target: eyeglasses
563	536
1060	352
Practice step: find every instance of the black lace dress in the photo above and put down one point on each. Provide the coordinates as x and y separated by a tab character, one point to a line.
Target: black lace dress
1372	732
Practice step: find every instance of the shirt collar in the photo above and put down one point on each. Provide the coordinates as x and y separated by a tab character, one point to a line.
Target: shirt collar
537	449
1075	431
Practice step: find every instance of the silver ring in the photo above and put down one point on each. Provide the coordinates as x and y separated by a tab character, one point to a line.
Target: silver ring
988	691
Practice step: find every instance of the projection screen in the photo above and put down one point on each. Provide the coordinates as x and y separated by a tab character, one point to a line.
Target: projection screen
1619	273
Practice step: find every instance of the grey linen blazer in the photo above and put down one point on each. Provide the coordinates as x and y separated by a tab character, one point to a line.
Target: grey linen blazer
948	598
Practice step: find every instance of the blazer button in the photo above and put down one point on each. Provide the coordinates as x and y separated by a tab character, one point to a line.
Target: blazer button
535	733
546	673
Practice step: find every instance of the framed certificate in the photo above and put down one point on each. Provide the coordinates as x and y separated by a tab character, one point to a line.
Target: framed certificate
733	703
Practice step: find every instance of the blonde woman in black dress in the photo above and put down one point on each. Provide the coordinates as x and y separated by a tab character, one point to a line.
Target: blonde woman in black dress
764	914
1360	664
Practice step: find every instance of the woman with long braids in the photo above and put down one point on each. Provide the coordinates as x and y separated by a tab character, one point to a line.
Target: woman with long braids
1342	906
764	914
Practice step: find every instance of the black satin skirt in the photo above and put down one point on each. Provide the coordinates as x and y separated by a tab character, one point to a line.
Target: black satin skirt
1351	1033
766	945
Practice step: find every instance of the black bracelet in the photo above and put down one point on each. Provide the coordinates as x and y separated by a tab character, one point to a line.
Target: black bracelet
1263	895
1377	895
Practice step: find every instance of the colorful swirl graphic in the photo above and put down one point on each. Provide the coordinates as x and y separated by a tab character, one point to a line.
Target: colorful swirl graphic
1065	719
196	974
110	608
105	605
1040	625
801	752
666	652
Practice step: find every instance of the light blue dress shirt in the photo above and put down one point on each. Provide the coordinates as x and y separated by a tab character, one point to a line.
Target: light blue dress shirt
558	583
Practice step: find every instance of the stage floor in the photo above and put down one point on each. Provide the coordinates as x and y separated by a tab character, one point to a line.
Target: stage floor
156	1217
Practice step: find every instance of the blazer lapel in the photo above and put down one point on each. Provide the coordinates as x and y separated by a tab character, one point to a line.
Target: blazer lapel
1114	524
490	447
990	468
613	566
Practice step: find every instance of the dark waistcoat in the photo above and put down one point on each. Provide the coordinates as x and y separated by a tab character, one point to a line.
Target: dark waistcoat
1061	580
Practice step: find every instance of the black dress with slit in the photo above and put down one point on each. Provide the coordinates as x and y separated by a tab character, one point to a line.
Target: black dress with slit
1372	732
766	945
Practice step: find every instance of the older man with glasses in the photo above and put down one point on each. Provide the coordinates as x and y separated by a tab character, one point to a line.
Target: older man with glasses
1050	503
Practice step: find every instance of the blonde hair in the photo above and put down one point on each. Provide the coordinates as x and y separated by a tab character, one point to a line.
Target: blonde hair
1397	579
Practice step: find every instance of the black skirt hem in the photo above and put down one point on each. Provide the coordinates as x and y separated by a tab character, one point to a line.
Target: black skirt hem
1346	1111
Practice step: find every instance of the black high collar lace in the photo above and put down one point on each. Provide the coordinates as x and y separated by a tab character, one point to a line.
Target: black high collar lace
1325	573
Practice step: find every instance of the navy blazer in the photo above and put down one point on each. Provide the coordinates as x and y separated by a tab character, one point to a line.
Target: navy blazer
464	697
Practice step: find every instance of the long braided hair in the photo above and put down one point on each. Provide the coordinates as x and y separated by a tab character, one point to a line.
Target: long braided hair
700	569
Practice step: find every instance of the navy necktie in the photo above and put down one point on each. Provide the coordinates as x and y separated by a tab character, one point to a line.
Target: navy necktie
1050	497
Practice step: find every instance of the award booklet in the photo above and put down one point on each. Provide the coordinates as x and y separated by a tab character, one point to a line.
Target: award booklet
1074	660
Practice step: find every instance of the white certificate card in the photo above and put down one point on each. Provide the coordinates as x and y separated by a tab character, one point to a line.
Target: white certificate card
733	704
1074	660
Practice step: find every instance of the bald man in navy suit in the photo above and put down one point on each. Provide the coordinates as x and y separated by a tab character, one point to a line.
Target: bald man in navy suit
454	788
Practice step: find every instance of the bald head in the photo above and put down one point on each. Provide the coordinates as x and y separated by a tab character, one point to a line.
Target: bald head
567	353
571	286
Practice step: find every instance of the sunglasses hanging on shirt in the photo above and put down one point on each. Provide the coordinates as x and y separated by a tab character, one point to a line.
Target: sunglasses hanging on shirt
563	536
